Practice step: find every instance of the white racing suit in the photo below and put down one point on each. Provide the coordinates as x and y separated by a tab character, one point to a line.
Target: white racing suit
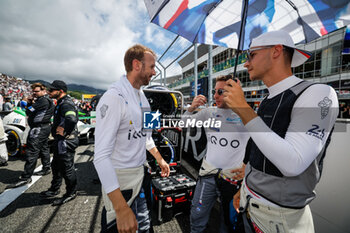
120	148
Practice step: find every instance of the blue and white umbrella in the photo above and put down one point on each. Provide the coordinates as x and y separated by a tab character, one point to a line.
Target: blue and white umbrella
233	23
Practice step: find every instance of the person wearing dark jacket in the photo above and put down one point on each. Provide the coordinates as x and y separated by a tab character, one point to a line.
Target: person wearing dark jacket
65	135
39	113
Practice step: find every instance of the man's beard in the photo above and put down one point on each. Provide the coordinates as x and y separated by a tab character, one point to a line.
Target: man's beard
55	96
144	78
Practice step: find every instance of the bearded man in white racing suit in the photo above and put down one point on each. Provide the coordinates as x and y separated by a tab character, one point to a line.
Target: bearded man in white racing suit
121	143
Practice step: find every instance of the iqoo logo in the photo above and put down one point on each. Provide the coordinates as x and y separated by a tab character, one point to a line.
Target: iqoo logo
136	134
224	142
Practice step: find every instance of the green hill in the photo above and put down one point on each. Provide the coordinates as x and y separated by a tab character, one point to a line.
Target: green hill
75	88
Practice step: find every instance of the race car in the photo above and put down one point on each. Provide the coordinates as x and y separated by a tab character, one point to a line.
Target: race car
16	128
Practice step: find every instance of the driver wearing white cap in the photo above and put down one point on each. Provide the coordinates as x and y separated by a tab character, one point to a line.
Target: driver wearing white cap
289	137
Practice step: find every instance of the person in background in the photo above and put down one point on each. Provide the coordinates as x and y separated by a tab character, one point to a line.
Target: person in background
65	133
1	101
23	103
39	110
7	106
346	111
3	149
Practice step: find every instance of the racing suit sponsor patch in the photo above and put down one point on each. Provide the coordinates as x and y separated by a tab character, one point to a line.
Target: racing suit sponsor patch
325	104
103	110
316	131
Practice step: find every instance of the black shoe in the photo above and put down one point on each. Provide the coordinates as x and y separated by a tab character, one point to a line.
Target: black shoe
42	172
66	198
21	182
49	193
3	164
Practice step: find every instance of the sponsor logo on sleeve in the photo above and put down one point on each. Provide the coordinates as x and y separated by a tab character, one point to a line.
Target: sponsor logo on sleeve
316	132
325	104
103	110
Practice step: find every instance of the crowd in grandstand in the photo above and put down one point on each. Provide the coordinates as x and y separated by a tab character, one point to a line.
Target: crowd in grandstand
13	89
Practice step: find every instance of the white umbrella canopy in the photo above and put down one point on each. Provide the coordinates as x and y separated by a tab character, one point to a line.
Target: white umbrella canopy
234	23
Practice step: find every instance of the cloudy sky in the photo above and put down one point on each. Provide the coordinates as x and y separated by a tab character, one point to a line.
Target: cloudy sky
80	41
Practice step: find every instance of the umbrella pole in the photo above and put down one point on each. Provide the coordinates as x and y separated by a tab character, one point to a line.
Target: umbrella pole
238	51
195	70
300	20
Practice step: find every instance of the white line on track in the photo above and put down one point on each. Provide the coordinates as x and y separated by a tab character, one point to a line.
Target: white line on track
9	195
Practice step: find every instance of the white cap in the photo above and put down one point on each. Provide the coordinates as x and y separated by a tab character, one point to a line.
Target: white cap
283	38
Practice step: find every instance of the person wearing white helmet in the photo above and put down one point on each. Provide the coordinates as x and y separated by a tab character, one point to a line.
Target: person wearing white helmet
289	136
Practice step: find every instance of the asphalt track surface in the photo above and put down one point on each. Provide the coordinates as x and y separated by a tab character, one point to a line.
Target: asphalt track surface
30	213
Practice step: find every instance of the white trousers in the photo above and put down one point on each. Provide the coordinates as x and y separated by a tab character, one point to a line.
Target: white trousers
129	178
277	219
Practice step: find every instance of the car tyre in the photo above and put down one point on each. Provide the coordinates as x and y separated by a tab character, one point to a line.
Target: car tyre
13	143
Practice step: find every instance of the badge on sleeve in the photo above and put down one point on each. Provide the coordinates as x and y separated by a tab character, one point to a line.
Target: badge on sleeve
103	110
325	104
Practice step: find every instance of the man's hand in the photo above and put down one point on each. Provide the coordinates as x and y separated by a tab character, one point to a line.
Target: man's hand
234	98
234	95
164	166
126	220
239	173
60	130
197	101
236	199
161	162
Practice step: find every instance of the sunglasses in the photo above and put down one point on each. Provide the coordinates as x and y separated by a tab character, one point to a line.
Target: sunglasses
219	91
249	54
